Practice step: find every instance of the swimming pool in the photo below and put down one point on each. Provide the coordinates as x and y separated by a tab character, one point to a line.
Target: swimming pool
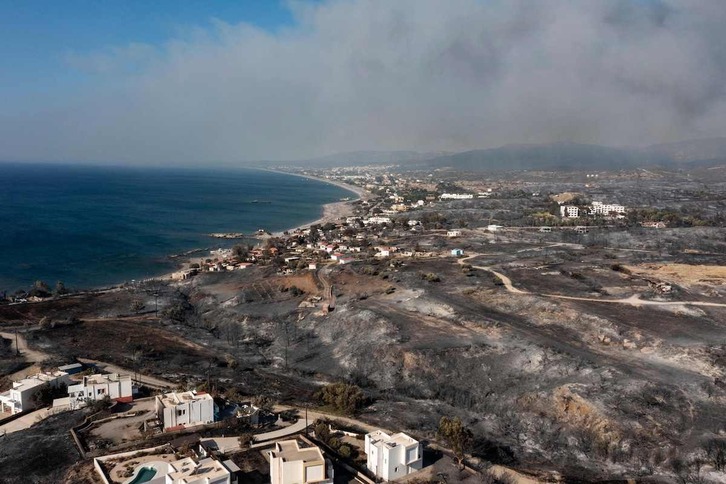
145	474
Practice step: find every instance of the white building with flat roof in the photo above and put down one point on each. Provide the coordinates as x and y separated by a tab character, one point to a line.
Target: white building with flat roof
292	464
392	456
20	397
97	387
178	410
599	208
569	211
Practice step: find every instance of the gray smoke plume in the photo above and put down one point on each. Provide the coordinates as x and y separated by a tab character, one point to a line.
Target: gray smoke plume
396	75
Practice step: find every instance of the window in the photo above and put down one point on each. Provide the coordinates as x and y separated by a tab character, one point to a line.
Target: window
100	391
181	412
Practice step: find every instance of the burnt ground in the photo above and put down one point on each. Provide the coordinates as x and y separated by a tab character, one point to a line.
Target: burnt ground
592	390
42	454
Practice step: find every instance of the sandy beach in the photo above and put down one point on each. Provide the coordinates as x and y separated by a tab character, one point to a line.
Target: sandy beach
332	212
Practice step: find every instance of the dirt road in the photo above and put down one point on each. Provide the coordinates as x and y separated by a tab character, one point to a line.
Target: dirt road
33	356
633	300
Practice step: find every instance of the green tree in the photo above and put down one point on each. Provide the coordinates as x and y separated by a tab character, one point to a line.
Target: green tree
342	397
458	437
322	432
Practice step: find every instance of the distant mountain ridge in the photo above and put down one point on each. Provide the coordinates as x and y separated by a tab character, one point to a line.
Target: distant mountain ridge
580	156
549	156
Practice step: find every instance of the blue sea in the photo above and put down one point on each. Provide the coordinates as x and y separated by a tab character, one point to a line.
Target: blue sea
91	226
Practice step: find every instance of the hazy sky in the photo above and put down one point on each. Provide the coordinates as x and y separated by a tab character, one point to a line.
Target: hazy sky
194	82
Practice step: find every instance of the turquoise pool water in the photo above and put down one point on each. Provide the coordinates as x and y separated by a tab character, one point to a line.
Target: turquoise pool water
145	475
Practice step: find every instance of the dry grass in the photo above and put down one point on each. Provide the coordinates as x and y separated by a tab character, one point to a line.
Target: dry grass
684	274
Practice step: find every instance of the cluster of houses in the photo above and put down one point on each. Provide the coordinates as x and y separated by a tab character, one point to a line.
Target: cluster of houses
293	459
174	410
388	457
296	460
596	208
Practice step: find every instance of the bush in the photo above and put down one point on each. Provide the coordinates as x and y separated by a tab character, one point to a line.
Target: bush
431	277
345	451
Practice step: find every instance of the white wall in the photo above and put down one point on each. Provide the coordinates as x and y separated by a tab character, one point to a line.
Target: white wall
190	413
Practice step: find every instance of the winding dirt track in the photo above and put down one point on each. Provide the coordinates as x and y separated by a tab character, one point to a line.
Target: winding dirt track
22	348
633	300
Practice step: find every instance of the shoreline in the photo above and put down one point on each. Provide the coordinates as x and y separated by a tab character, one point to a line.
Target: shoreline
332	212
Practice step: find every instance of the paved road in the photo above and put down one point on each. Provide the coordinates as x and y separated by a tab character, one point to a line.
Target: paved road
231	444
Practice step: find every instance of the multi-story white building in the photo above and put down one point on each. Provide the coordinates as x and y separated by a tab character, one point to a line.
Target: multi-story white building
392	456
456	196
185	409
569	211
599	208
292	464
20	397
377	220
97	387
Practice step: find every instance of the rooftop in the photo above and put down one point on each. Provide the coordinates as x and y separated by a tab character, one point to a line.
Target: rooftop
173	399
37	380
186	470
379	438
100	379
290	451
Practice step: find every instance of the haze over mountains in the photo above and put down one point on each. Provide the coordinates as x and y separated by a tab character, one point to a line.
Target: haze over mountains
561	155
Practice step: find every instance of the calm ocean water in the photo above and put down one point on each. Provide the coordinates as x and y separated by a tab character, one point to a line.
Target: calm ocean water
95	226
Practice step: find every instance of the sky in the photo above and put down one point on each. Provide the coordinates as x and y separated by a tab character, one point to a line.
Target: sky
197	82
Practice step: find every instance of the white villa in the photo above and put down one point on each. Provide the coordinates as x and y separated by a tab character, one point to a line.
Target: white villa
392	456
20	397
292	464
456	196
453	233
185	409
97	387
